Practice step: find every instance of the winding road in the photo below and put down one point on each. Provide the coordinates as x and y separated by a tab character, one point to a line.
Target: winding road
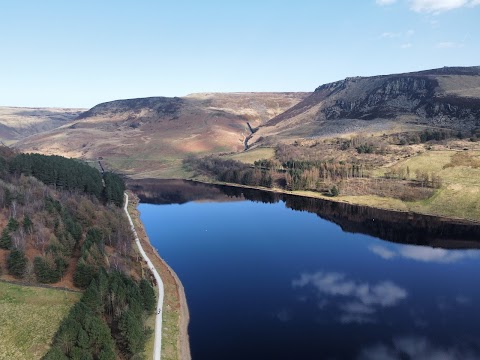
158	319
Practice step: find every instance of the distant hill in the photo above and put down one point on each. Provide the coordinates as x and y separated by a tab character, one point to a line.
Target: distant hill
19	122
154	134
149	137
447	97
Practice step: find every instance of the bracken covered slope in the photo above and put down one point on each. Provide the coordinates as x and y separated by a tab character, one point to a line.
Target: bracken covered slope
447	97
154	134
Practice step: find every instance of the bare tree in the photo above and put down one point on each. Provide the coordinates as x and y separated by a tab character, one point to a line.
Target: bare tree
41	237
13	209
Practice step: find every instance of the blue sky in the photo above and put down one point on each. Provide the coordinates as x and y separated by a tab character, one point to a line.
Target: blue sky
78	54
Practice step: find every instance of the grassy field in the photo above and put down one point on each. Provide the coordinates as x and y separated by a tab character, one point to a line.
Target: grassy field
167	168
29	317
250	156
459	195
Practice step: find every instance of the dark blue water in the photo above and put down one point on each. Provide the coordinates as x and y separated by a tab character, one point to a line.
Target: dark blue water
267	282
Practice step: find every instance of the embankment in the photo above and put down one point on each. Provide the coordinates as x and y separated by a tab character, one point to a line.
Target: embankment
175	341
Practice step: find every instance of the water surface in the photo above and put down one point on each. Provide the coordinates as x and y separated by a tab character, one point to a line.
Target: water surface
264	281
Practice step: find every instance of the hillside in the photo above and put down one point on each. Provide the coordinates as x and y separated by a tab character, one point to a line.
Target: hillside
376	141
17	123
447	97
150	136
63	225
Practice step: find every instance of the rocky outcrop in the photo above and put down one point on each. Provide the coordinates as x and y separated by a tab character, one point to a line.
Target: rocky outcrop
392	96
446	97
153	106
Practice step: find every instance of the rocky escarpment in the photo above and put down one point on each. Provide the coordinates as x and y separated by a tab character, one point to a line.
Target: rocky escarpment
446	97
394	96
390	96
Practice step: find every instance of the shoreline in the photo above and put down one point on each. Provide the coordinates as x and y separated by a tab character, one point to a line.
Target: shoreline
183	344
313	195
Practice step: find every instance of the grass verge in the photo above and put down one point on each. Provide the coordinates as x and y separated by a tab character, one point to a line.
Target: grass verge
175	312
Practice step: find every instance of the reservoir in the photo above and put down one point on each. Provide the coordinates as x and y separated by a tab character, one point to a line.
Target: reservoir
271	276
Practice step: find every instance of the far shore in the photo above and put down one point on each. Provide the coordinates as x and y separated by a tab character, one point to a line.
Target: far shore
369	201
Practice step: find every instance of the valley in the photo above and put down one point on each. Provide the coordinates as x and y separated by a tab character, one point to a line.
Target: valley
382	125
150	137
17	123
240	180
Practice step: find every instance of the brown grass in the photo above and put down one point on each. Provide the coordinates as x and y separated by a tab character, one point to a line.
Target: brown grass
463	159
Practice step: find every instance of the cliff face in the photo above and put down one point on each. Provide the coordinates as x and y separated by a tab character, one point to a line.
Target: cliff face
416	95
447	97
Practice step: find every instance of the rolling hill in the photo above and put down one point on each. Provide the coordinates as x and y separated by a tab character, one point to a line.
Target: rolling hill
18	122
150	136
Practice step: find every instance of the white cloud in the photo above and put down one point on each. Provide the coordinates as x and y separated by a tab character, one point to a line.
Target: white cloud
463	300
284	315
427	254
449	45
377	352
390	35
382	252
424	253
357	308
331	283
415	348
348	318
385	2
438	6
405	36
363	298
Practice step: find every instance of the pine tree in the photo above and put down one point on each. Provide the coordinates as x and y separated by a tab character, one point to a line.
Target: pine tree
13	224
148	295
27	224
5	239
17	263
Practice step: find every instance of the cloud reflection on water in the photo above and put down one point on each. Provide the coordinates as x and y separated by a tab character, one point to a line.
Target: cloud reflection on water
424	253
363	299
411	347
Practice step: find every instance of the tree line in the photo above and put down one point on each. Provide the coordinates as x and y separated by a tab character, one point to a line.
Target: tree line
290	174
229	171
69	174
330	177
109	319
